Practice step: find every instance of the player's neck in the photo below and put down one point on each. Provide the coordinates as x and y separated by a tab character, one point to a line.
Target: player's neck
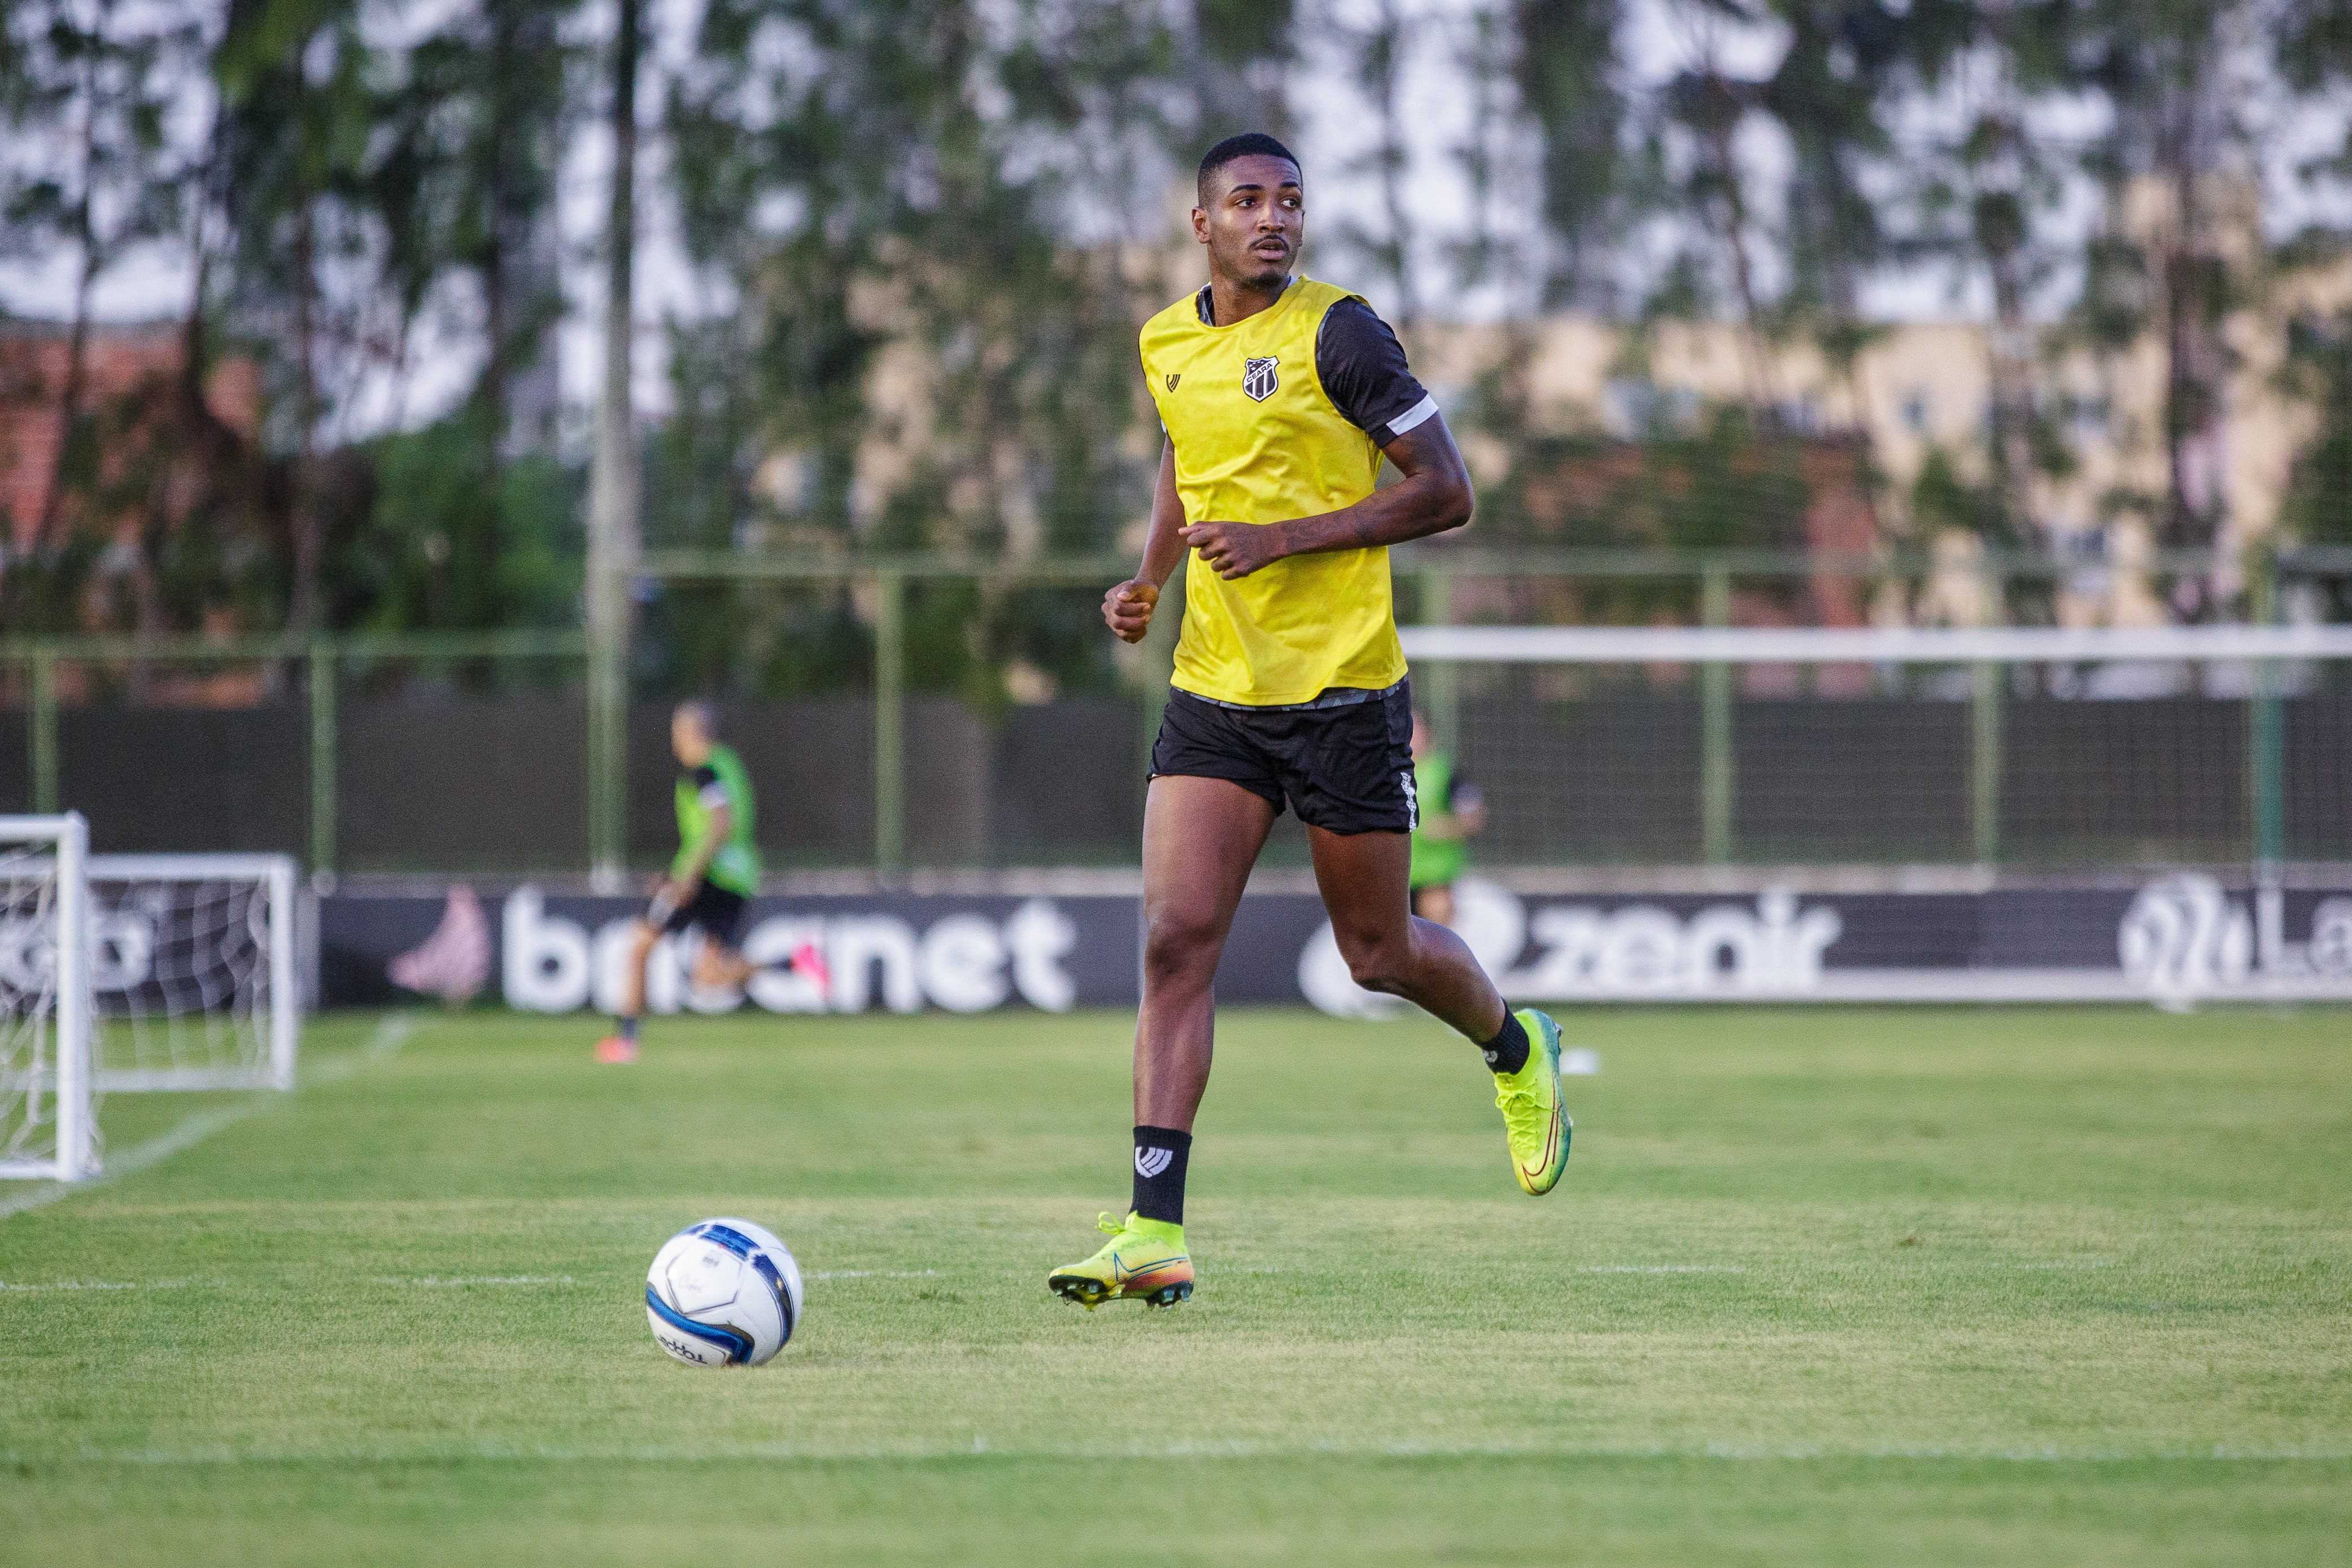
1232	299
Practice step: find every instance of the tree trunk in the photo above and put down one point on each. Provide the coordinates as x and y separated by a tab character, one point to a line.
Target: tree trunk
307	526
612	523
69	406
2194	362
1383	75
2013	391
1733	227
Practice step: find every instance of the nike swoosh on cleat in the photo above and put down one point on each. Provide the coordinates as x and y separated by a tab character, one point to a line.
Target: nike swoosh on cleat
1551	1142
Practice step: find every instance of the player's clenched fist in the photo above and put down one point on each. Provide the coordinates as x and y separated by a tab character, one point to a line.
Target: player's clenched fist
1127	609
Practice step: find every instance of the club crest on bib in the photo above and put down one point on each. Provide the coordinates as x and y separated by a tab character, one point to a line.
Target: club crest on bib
1258	378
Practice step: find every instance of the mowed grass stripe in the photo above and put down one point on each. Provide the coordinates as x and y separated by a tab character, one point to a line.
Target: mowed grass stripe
2080	1250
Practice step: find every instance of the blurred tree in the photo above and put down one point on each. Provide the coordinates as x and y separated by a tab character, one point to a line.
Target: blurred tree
471	119
1382	50
1850	66
2172	73
91	169
1986	192
1700	116
1568	80
298	112
925	217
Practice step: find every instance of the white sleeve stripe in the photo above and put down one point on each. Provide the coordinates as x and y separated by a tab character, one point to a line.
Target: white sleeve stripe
1417	414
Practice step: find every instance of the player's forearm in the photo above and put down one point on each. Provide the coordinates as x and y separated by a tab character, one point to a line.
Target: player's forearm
1164	551
1433	496
1413	509
1163	545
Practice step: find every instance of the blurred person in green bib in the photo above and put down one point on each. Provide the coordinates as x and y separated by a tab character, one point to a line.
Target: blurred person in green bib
1451	812
715	874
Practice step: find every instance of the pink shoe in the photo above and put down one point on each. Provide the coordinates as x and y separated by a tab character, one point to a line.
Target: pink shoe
616	1047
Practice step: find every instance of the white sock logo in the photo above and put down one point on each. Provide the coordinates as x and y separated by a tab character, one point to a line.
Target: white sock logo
1150	1163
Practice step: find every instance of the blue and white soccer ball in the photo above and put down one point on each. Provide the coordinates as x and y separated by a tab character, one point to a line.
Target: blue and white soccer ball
725	1292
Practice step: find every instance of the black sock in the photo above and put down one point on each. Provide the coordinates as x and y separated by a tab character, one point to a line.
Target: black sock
625	1028
1507	1052
1161	1154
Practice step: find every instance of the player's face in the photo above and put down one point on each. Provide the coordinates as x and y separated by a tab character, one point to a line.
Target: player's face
1256	221
687	741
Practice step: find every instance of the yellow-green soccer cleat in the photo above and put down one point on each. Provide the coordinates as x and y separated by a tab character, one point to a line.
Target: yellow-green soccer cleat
1533	1118
1144	1258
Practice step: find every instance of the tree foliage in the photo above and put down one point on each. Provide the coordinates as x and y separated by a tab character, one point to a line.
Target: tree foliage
923	233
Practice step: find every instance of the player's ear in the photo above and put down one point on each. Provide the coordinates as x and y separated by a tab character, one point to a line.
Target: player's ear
1201	226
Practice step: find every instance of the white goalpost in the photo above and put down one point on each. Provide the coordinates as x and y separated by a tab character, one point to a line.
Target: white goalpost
47	1125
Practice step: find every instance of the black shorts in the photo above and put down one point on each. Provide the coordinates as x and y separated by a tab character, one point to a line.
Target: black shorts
714	908
1344	769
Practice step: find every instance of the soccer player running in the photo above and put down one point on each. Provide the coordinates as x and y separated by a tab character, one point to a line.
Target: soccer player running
1280	396
716	873
1453	811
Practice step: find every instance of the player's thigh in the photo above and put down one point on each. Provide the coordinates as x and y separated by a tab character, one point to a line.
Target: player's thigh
1201	836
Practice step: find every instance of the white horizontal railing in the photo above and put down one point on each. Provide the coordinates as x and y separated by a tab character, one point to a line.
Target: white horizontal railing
1865	645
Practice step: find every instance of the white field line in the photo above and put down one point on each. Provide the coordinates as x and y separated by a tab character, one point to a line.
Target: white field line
441	1282
876	1274
1664	1268
12	1285
390	1035
1203	1450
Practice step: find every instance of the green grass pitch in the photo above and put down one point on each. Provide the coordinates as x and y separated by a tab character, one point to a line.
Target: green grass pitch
1820	1287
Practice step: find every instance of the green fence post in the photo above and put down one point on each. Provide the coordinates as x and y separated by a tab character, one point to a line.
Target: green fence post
1441	695
608	762
2267	760
41	715
324	667
1715	724
2266	733
890	721
1984	761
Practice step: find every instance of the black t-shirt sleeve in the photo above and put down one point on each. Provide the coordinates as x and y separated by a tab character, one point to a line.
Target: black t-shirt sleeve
1363	368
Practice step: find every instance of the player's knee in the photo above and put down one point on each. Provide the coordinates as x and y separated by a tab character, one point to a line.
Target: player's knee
1376	961
1177	943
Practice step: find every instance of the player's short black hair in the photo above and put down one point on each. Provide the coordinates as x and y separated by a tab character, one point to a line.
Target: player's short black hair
1248	144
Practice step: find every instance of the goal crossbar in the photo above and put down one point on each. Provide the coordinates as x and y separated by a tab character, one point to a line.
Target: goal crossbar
1868	645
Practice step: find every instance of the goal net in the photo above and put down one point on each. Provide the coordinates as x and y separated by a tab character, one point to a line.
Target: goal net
47	1125
192	972
2027	748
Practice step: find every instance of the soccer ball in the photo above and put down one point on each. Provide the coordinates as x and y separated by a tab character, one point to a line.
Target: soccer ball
725	1292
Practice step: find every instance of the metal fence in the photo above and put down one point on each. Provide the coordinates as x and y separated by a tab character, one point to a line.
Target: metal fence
366	752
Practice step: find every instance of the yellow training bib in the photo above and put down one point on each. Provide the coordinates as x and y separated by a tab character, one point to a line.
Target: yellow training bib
1257	441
